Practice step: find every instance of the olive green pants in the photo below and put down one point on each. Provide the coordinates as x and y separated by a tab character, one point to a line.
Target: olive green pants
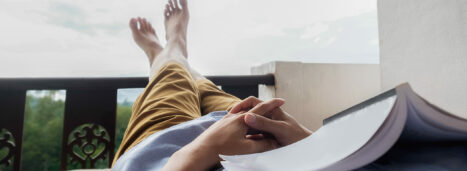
170	98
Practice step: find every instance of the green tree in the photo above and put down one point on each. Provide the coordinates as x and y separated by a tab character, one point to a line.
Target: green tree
123	116
43	126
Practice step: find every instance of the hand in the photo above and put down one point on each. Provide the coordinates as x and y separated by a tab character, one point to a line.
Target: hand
283	126
250	102
226	136
269	117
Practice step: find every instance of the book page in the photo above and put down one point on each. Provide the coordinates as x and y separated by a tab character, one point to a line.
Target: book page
328	145
418	129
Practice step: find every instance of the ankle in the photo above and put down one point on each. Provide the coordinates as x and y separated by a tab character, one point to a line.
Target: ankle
178	39
152	53
177	43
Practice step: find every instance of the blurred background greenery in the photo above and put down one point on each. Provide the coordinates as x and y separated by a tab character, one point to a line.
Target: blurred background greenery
43	126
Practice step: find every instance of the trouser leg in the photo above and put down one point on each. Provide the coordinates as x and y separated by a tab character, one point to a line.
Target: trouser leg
170	98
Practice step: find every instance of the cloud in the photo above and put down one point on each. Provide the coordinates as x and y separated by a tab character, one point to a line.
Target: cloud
314	30
91	38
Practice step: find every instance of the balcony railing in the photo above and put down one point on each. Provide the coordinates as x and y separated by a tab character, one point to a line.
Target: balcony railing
90	112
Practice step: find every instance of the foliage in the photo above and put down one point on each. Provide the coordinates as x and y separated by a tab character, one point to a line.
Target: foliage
43	126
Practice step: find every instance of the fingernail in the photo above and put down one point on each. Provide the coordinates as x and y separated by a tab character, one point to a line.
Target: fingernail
282	100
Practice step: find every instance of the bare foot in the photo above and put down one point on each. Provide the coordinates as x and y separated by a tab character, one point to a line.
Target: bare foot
146	37
176	23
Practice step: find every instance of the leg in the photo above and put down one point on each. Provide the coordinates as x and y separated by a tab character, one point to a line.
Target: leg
214	99
146	38
171	97
176	22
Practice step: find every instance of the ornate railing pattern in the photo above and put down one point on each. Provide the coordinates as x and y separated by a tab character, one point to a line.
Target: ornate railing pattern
7	142
92	143
90	113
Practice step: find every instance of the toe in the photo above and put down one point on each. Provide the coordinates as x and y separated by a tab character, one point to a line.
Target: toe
142	26
177	7
170	9
148	26
134	25
183	4
145	25
171	4
151	29
167	8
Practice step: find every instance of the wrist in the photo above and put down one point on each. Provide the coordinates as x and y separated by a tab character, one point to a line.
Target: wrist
196	157
207	153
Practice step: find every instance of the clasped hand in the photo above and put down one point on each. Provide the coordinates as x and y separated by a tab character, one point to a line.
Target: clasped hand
229	136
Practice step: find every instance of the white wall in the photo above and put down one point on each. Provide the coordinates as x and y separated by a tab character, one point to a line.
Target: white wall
424	42
314	92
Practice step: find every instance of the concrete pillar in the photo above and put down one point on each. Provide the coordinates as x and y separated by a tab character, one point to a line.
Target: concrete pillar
314	92
424	42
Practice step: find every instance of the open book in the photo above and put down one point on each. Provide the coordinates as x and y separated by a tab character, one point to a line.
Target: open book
360	135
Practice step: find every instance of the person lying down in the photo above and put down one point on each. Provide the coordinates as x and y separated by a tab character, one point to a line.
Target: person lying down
168	129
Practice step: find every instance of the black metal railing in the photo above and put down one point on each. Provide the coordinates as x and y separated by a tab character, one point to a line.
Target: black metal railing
90	112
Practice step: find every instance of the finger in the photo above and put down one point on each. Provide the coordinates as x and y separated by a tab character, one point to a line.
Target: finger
267	107
245	104
278	114
274	127
256	146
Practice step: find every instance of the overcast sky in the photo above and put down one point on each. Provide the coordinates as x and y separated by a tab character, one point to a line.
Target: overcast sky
63	38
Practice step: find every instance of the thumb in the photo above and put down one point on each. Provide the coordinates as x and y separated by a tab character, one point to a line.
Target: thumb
264	124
